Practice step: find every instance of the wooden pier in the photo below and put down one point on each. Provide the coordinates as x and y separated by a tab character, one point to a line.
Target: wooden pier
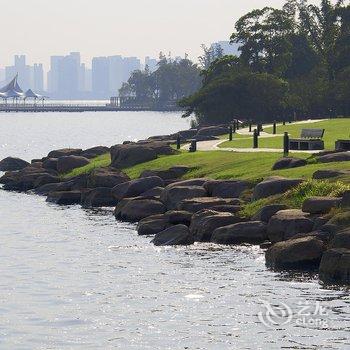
50	107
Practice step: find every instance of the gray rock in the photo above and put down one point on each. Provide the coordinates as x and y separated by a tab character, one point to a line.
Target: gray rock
320	205
46	179
131	154
297	253
253	232
176	217
341	239
334	157
13	164
65	197
94	152
233	209
266	213
287	223
50	163
136	209
152	225
226	188
64	152
68	163
153	192
335	266
289	162
175	235
328	174
98	197
136	187
203	226
196	204
174	194
212	131
106	177
274	185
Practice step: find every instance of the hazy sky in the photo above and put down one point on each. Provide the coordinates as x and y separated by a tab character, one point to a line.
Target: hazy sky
40	28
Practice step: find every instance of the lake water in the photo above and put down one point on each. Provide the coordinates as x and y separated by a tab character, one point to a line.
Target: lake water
77	279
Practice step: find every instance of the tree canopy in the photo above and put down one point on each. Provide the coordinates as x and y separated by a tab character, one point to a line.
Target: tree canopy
293	61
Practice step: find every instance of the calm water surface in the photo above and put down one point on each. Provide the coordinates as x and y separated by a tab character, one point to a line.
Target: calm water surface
78	279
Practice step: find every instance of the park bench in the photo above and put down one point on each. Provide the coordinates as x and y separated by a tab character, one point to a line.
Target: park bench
342	145
310	140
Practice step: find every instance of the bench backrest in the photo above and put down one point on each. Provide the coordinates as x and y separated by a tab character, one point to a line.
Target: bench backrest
312	133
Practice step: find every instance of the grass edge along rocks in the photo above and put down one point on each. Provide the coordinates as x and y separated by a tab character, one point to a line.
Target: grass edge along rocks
303	221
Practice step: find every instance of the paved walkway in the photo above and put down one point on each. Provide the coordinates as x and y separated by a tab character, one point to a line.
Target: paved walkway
213	145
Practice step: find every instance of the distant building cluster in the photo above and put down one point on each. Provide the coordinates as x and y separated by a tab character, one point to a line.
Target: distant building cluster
69	78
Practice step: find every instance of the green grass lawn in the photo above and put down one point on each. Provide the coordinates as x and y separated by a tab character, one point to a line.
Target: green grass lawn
334	129
217	165
231	165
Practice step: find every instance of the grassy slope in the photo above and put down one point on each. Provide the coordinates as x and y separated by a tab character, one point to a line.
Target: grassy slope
217	165
335	129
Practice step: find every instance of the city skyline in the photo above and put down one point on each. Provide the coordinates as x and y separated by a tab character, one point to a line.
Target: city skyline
68	77
109	26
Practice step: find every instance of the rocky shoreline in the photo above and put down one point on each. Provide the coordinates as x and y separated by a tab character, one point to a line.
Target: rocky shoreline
181	212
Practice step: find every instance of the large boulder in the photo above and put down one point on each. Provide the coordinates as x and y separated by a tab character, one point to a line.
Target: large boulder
289	162
196	204
131	154
329	173
94	152
212	131
176	217
44	190
341	239
46	179
64	197
67	163
98	197
334	157
106	177
287	223
266	212
169	174
50	163
253	232
23	180
205	222
173	194
335	266
274	185
64	152
174	235
305	252
135	188
320	205
77	183
227	208
153	192
136	209
12	164
226	188
152	225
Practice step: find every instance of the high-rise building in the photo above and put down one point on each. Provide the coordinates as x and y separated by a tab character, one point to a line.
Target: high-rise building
116	67
100	77
53	74
151	63
38	77
66	76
